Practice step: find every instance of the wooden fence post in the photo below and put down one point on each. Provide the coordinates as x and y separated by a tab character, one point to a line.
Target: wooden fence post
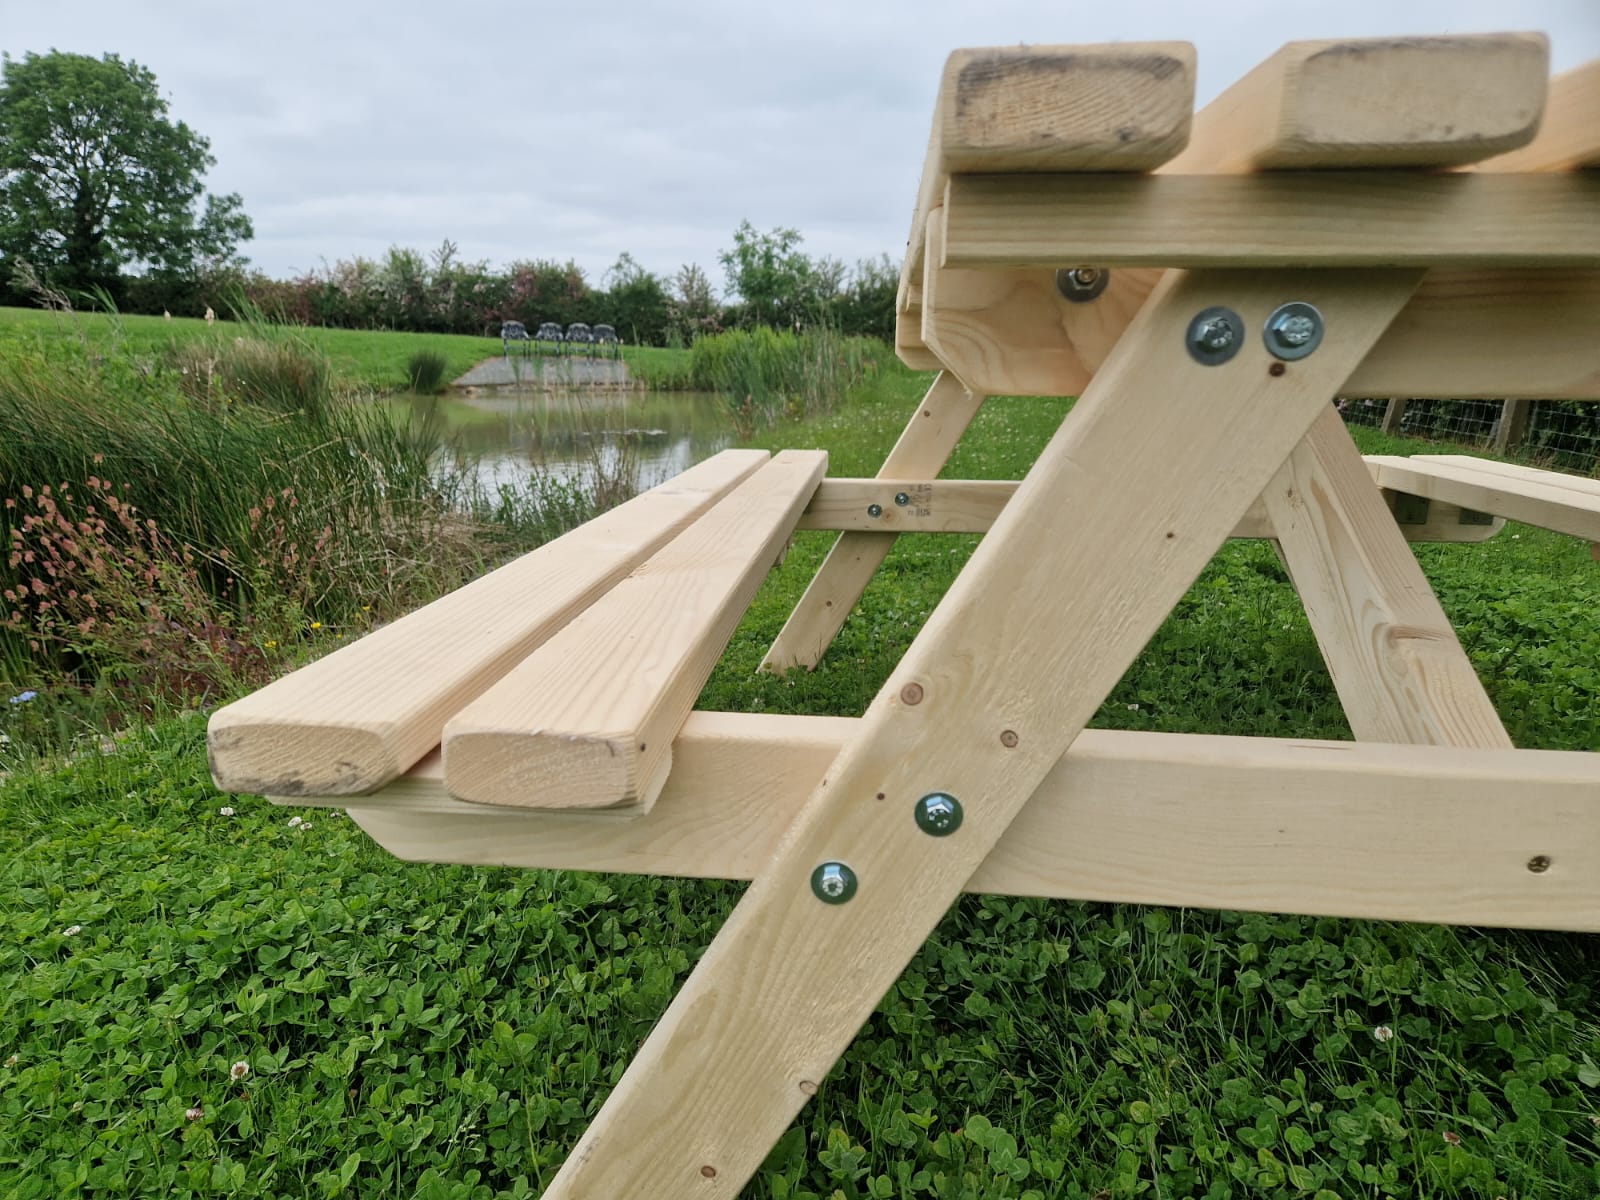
1514	416
1393	415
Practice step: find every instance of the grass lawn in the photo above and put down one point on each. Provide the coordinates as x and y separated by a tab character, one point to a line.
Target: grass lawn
448	1032
373	359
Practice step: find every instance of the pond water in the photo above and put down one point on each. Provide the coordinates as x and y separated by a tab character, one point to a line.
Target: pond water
653	435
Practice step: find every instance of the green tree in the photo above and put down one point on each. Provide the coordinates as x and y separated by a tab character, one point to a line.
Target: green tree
779	284
635	303
695	310
96	177
867	305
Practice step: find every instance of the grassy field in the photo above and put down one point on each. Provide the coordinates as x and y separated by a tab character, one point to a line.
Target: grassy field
376	360
444	1032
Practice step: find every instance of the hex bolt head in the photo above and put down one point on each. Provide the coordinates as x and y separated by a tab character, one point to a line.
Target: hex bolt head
1293	330
1214	336
1082	284
874	510
902	498
833	883
938	814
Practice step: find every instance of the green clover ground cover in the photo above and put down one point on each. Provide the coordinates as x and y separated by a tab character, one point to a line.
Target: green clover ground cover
433	1031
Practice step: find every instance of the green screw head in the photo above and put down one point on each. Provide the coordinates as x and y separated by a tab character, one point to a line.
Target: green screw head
874	510
902	498
938	814
833	883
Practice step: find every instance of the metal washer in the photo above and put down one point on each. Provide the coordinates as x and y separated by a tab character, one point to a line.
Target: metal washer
1292	330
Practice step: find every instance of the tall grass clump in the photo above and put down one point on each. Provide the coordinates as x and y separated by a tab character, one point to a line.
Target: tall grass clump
770	375
275	376
167	531
425	370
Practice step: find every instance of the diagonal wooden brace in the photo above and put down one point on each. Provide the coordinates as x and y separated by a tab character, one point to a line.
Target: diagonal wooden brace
1167	454
929	437
1396	663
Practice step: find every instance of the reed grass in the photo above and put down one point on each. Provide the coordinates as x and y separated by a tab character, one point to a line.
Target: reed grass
770	376
426	370
254	499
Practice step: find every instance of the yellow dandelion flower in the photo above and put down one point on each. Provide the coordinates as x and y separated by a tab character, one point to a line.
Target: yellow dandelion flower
316	624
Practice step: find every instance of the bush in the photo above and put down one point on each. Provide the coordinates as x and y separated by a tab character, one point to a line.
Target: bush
425	370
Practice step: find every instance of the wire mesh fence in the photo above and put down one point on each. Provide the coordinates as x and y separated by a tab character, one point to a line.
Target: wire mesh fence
1563	434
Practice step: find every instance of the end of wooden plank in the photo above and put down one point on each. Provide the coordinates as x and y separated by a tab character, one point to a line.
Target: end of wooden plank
1122	107
1376	102
1569	135
571	772
260	756
587	722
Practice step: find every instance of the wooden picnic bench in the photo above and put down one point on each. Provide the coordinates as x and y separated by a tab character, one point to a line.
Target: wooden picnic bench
1394	217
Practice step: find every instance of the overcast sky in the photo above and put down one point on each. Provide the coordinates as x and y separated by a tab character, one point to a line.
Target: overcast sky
580	130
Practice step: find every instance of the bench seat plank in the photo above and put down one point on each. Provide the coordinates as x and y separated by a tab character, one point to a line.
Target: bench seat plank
357	718
588	720
1524	494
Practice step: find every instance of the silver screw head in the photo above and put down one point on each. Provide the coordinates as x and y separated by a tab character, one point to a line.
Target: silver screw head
1082	284
938	814
902	498
874	510
833	883
1293	330
1214	336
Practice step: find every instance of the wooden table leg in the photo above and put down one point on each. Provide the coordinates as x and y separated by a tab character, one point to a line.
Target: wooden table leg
928	439
1146	478
1400	671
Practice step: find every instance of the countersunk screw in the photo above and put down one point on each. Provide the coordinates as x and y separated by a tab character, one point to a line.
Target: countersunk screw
874	510
1081	284
1293	330
1539	864
938	814
1214	336
902	498
833	883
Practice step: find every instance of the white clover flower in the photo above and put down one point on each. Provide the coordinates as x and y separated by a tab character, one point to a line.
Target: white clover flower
11	1060
194	1114
1133	708
225	811
72	931
296	822
1383	1033
304	825
238	1071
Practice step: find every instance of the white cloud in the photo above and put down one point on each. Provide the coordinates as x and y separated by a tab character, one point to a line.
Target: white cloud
580	131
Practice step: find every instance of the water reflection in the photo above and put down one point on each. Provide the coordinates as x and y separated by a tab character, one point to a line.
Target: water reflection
510	432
